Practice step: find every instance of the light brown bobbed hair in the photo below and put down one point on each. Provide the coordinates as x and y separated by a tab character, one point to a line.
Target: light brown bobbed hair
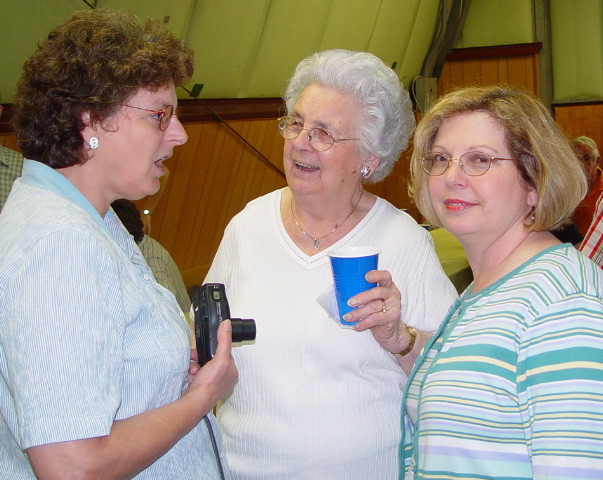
90	64
543	155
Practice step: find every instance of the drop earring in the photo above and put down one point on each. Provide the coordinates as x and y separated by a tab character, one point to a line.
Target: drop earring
93	142
365	171
531	216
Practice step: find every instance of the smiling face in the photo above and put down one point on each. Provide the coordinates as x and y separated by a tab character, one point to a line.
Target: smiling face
129	159
486	207
335	172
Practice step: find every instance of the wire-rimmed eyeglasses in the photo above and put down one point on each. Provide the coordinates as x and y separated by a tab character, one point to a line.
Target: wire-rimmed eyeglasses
320	139
163	116
473	164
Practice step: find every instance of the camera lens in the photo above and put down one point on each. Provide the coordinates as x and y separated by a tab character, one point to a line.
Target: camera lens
243	329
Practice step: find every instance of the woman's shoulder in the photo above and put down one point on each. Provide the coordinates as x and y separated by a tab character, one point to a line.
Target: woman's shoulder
567	266
391	218
557	273
256	213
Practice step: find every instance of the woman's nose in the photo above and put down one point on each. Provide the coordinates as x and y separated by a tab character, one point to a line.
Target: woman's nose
303	139
176	131
454	173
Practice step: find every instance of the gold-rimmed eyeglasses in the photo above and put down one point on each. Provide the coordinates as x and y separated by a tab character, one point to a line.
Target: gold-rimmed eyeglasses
473	164
320	139
163	116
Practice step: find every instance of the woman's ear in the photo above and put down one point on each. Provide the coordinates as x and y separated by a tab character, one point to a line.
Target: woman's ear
373	161
532	197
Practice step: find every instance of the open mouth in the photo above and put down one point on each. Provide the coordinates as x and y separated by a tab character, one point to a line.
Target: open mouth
304	167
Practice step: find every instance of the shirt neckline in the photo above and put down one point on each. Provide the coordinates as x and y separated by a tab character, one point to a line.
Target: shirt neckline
297	253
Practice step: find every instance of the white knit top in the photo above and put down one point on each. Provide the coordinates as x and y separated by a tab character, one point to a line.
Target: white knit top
314	400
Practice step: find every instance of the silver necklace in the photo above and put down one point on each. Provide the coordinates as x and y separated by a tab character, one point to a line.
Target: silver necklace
318	239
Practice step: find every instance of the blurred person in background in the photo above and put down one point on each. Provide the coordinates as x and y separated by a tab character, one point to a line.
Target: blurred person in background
588	153
11	165
592	246
162	264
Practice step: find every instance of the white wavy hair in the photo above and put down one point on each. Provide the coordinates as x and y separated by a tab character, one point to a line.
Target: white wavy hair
385	115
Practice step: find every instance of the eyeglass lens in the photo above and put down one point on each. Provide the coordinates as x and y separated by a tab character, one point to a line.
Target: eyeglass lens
165	117
319	138
472	163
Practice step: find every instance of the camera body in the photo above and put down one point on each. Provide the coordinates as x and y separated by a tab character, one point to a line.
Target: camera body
210	307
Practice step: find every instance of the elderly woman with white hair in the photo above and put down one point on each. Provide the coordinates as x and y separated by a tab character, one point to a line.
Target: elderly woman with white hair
588	153
315	400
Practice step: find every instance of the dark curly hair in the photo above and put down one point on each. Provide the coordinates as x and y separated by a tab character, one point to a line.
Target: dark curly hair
91	63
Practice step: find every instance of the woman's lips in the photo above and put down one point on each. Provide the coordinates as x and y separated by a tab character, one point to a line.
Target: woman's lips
455	204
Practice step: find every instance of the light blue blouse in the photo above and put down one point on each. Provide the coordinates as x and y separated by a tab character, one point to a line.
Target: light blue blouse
87	336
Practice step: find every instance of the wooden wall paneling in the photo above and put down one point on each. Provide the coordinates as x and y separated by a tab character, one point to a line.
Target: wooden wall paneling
182	199
219	187
186	184
9	141
581	119
197	179
518	73
241	173
503	70
451	77
489	71
472	72
199	242
174	199
505	64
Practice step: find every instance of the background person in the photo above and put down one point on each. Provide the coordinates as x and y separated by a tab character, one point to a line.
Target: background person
511	386
11	165
162	264
588	153
592	246
317	401
95	372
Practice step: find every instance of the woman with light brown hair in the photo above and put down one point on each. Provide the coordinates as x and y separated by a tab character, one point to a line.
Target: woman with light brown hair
511	386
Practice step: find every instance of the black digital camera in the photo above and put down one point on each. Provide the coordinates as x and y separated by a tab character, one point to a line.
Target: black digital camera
210	307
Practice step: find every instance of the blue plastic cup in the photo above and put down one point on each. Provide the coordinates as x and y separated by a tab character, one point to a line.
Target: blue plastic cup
349	266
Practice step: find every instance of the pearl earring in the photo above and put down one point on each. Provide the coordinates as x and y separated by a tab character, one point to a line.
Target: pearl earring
93	142
365	171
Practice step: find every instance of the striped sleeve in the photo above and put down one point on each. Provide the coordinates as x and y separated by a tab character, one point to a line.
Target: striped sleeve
560	389
592	245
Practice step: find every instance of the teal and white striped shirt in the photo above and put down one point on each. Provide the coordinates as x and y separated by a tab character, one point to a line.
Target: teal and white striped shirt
512	385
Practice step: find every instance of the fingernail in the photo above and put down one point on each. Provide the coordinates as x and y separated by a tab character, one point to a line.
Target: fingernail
347	317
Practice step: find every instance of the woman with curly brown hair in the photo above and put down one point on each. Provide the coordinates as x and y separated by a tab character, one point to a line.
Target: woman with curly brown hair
95	365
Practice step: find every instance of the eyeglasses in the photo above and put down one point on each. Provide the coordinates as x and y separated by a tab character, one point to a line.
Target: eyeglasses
473	164
320	139
164	116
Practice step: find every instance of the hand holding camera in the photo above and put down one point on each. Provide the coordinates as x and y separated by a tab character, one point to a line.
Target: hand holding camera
210	307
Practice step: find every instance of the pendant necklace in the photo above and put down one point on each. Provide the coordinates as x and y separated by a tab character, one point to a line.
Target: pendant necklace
317	240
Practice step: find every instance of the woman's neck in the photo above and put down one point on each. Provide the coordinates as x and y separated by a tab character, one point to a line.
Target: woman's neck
315	223
493	261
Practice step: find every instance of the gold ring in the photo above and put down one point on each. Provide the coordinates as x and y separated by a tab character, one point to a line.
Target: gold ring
383	309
